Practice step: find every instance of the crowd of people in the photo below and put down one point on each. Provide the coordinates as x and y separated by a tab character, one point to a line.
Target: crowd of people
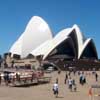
8	78
71	83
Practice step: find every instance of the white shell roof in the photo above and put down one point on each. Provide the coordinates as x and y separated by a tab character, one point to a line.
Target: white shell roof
36	33
48	46
42	48
37	39
17	46
59	38
84	46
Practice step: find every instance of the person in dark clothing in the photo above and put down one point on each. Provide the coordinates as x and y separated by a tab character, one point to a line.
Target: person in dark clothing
96	77
66	77
6	78
74	85
18	77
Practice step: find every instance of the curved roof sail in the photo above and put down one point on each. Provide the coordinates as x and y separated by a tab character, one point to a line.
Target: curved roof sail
37	32
37	39
89	50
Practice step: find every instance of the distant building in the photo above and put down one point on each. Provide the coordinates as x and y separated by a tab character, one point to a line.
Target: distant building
38	40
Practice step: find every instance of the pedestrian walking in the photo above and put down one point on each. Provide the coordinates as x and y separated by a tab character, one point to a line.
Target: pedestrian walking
66	77
70	83
55	89
96	77
74	85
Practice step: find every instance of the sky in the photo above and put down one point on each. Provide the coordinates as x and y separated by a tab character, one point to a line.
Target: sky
59	14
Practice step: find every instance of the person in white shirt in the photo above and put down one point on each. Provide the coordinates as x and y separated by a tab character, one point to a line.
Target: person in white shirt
70	83
55	89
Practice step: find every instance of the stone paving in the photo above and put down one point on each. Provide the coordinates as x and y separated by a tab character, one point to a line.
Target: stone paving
44	91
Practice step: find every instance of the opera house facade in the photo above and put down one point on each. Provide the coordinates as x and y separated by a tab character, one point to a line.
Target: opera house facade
38	40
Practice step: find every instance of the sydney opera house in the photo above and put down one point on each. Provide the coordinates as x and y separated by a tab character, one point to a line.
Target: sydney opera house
38	40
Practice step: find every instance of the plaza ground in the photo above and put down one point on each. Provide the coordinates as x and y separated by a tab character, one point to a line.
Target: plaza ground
44	91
